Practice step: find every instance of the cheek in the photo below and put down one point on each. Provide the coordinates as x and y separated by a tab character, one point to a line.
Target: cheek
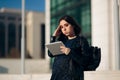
62	30
71	30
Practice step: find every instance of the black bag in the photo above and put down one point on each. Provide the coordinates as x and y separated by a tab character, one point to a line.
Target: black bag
95	58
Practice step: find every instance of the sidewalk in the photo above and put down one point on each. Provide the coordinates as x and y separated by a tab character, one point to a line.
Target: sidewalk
45	76
41	77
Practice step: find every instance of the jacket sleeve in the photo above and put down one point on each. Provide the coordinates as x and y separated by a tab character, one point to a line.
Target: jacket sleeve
80	55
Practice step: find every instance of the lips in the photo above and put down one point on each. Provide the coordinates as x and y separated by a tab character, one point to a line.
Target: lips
66	33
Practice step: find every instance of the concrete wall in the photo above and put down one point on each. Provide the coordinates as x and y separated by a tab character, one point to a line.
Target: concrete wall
103	32
13	66
102	75
25	77
34	22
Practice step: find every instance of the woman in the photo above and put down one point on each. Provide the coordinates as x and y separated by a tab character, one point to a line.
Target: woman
70	65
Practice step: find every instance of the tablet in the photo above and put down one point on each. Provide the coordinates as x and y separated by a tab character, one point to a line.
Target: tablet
54	47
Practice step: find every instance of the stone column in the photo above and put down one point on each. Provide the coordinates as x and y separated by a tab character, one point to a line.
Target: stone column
103	32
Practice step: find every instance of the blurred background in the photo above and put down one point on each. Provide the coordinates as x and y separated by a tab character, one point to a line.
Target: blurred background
99	20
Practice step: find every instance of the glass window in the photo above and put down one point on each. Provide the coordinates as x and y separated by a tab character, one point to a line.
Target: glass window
2	39
80	12
42	43
19	37
11	18
60	1
12	51
2	17
53	3
85	19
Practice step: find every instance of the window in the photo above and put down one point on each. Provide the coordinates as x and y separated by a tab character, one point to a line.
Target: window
42	29
11	18
2	39
12	50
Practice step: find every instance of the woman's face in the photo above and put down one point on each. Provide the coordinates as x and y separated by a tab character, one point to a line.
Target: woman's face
66	28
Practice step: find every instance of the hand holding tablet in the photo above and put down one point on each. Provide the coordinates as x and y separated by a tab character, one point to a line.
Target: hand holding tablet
54	47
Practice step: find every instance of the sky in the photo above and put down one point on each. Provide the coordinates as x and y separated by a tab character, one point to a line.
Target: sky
30	5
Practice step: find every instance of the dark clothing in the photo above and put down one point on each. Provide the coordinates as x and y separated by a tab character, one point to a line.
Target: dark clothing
71	66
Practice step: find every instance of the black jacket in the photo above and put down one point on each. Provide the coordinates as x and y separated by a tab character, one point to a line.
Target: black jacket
71	66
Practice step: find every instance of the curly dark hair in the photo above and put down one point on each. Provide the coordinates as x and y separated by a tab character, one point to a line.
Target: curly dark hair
71	20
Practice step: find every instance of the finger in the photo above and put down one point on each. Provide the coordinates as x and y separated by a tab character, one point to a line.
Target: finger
58	28
62	46
62	50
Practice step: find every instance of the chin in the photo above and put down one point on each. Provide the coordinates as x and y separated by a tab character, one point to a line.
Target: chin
66	34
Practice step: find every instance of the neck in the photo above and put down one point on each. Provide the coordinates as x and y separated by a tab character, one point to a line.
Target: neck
71	37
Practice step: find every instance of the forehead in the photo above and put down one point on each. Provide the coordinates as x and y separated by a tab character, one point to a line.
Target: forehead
63	22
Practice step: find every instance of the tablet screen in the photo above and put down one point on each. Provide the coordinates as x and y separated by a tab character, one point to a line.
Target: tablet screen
54	47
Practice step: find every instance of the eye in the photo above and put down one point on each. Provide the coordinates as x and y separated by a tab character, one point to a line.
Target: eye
61	27
66	25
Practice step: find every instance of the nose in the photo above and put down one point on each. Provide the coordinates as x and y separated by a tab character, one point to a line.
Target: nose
64	29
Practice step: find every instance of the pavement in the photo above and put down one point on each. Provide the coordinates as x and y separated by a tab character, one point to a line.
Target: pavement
41	76
45	76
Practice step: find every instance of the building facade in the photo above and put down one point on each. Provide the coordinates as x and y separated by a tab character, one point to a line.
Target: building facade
10	42
10	34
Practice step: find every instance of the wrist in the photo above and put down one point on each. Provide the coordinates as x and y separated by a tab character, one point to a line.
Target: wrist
68	51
